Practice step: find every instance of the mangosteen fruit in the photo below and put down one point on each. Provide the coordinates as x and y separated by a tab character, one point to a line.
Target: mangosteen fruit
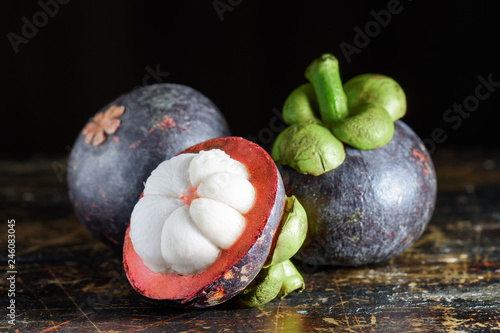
124	141
370	191
212	221
372	207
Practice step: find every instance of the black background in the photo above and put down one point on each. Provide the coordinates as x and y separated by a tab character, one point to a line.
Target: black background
246	59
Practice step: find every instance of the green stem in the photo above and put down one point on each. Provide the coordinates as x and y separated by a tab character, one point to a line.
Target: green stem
324	75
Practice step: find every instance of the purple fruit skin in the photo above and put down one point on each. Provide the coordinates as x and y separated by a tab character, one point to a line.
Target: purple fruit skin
159	121
372	207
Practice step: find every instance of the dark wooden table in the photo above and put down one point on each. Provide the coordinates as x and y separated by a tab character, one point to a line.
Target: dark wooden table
449	281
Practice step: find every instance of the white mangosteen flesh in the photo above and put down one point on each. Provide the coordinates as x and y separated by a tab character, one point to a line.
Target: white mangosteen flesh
192	208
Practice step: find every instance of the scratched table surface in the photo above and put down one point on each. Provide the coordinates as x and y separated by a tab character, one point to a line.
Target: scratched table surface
449	281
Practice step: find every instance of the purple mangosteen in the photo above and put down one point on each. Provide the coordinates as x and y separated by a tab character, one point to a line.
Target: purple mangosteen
365	178
124	141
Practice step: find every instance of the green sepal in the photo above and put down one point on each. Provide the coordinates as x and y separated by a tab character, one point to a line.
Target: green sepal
293	232
279	277
308	148
301	106
292	280
370	128
275	281
376	89
265	287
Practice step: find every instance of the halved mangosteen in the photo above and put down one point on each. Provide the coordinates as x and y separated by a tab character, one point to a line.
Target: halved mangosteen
208	221
120	146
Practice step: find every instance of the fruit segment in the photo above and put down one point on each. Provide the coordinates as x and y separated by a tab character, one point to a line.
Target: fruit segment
214	161
217	221
170	177
235	191
183	246
152	211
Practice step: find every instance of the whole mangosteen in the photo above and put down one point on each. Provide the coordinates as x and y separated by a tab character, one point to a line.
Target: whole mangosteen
124	141
365	178
372	207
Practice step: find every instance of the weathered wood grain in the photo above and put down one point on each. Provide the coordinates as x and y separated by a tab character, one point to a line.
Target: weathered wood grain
448	282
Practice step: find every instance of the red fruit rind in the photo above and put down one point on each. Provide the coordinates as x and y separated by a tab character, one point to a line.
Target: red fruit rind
237	266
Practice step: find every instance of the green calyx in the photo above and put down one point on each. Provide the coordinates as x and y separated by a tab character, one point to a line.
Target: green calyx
279	277
293	232
265	287
308	148
371	127
376	89
361	113
301	106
